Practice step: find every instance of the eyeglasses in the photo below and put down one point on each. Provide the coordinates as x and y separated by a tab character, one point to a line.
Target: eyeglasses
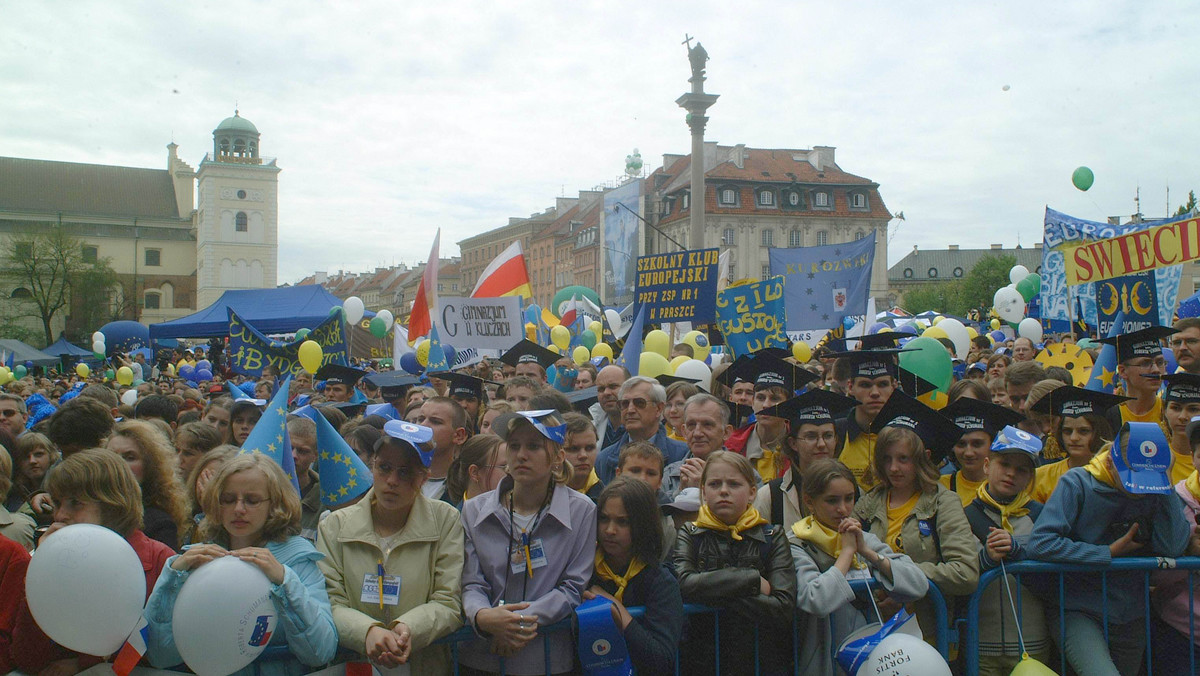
250	501
385	470
638	403
9	412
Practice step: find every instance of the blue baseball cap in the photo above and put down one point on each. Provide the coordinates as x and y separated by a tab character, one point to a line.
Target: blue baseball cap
1142	458
1018	442
546	421
412	435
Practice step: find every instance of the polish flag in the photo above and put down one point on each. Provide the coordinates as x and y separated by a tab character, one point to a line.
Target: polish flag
505	276
425	304
572	311
132	651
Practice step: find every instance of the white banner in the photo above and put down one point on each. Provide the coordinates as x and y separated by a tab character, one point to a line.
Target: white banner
481	322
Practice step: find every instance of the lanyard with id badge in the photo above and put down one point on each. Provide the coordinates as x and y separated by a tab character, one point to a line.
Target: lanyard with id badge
525	554
380	588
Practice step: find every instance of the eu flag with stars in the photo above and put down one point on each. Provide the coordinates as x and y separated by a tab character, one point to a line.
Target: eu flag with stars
343	474
825	284
1104	372
437	356
270	435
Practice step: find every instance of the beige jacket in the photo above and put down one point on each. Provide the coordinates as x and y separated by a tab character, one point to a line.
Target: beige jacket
428	557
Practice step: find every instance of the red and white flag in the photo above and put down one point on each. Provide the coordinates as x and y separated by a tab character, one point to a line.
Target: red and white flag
133	650
507	275
571	312
425	304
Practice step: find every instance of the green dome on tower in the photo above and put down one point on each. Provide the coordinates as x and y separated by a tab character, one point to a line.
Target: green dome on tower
237	123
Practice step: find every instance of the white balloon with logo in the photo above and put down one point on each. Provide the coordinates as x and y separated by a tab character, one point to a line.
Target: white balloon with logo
223	617
697	370
904	655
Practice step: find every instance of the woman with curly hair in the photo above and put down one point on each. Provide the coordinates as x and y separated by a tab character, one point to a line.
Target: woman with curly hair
152	461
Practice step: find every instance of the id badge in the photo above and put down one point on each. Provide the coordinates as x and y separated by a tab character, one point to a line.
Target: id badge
537	556
370	589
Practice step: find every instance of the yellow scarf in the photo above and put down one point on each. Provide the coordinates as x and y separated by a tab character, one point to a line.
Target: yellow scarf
592	480
1193	484
826	539
606	573
1099	468
749	519
1016	508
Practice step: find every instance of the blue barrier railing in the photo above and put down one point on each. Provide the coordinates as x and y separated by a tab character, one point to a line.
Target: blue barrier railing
1144	565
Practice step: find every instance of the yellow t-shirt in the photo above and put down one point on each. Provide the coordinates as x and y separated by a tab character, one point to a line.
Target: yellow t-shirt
896	517
1181	466
762	457
858	455
1047	478
1153	415
967	490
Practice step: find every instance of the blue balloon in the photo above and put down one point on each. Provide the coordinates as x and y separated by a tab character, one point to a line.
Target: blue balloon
203	374
907	328
204	364
125	336
848	322
408	362
877	327
450	354
998	335
187	371
28	364
192	383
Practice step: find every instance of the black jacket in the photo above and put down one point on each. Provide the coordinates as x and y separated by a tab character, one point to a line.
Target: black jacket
653	638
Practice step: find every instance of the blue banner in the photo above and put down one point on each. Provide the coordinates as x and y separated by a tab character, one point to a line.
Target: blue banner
602	649
620	237
678	287
752	316
823	284
250	351
1133	295
1062	229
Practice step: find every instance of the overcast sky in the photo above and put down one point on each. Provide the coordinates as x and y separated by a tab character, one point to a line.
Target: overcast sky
390	119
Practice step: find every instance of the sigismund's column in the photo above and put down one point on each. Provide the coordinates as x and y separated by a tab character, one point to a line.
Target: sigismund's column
696	102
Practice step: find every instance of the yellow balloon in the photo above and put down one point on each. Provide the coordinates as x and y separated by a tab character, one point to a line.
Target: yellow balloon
653	364
531	331
603	350
170	369
560	336
972	333
311	355
938	320
596	328
1031	667
995	324
699	342
934	332
677	361
554	349
82	370
580	355
658	342
801	351
423	353
125	375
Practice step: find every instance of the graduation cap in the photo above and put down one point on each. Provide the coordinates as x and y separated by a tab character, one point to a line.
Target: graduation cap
583	399
766	370
336	374
350	408
738	413
871	363
734	373
777	352
546	421
937	431
913	384
462	385
975	415
880	341
1140	343
1182	387
1142	458
815	407
410	434
1076	402
393	384
667	380
529	352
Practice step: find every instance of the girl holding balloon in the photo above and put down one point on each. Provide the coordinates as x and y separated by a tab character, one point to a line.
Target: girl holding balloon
152	460
252	512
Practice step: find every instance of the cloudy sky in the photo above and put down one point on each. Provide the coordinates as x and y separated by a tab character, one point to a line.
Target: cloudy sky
390	119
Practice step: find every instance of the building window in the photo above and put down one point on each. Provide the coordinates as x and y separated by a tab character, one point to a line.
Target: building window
21	292
858	201
241	194
241	222
728	237
153	258
767	236
822	238
153	300
958	272
766	198
685	201
796	238
766	272
822	200
795	199
728	196
860	234
908	273
932	273
90	254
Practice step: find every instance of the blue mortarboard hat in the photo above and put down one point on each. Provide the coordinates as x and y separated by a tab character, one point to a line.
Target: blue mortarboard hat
413	435
599	362
1142	458
546	421
1018	441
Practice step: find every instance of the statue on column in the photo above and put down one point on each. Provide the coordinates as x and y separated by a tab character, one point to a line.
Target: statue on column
697	56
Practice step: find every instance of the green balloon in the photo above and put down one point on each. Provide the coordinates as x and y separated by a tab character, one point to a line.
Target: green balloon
303	333
98	355
928	359
1026	289
587	339
110	374
19	371
378	327
1083	178
335	310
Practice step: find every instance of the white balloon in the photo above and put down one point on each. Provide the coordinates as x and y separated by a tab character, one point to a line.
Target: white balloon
1009	304
223	617
1018	273
957	333
130	397
86	588
97	346
354	309
386	316
97	336
904	655
1030	328
614	321
694	368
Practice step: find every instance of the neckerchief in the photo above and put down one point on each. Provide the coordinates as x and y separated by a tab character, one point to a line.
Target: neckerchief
606	573
1015	508
1099	468
749	519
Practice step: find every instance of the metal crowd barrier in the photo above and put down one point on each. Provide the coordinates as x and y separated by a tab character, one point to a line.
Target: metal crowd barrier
1145	565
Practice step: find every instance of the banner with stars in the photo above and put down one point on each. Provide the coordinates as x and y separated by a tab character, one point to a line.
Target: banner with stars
250	351
343	474
824	284
270	435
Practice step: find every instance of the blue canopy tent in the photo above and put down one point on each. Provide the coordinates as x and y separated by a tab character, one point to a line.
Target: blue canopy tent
22	353
61	348
283	310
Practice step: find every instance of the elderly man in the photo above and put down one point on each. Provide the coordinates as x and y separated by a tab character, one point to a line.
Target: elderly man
1186	345
641	401
1023	349
13	413
606	413
705	428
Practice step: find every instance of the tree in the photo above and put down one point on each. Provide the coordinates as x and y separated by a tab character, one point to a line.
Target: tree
1189	207
956	297
939	297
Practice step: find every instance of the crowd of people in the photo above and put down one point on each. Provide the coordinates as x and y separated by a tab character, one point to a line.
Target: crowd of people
501	503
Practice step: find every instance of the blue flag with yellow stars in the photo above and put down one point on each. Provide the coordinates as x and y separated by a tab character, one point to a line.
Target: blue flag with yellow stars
1104	372
343	474
437	356
270	435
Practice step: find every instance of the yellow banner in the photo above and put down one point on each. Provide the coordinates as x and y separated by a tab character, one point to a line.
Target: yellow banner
1157	247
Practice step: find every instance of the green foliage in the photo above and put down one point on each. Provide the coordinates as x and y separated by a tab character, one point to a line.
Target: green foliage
958	296
937	296
1189	206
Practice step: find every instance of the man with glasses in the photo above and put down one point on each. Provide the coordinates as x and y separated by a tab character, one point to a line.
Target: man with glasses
1141	365
606	413
641	401
1186	345
13	413
705	428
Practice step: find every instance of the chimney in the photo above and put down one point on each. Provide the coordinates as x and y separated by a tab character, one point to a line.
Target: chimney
821	157
953	247
997	247
320	277
1037	245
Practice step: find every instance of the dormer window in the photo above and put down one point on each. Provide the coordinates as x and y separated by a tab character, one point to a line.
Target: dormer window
794	199
729	197
766	198
821	200
858	201
685	201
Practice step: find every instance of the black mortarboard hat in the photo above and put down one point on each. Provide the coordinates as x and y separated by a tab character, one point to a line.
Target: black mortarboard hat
974	415
667	380
1181	387
779	352
581	400
461	384
349	408
393	384
733	373
815	407
1075	402
526	352
335	374
765	370
937	431
738	413
884	340
1140	343
913	384
870	363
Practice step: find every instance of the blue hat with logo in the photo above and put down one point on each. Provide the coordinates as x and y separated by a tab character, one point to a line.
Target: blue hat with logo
546	421
1017	441
1142	458
410	434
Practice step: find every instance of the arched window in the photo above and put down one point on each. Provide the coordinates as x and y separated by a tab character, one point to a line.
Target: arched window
766	198
958	272
241	222
153	300
21	292
908	273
